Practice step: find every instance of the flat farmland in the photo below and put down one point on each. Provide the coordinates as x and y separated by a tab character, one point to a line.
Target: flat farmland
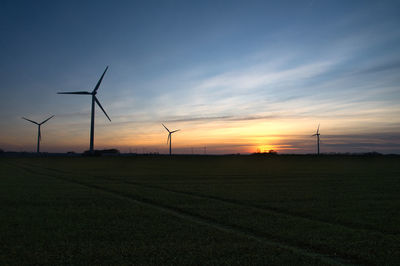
200	210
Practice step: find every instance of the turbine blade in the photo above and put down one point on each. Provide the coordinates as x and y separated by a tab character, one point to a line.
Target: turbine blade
75	92
98	103
169	138
40	135
175	131
47	119
166	128
318	129
30	120
313	135
98	83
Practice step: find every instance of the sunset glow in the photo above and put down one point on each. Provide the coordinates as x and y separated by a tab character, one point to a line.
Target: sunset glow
257	76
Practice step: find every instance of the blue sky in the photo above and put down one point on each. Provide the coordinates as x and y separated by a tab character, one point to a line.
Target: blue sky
233	75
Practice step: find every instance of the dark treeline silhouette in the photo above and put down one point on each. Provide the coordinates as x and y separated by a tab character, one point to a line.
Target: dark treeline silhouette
106	152
270	152
116	152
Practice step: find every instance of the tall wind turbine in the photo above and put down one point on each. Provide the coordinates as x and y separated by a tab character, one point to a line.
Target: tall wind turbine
170	137
94	99
317	134
39	135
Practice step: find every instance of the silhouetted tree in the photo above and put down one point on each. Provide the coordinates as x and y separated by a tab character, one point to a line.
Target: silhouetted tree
272	152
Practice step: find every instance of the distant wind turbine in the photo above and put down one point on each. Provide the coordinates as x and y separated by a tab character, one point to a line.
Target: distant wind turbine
170	137
317	134
94	99
39	135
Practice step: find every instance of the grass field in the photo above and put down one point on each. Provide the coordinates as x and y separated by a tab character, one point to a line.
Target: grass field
200	210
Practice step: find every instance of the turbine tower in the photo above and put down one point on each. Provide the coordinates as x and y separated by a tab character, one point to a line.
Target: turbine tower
39	135
317	134
94	100
170	137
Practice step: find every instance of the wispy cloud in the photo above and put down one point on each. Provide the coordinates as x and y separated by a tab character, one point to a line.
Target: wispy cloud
386	66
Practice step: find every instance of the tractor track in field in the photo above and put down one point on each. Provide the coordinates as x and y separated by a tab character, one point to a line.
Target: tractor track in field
259	208
271	210
309	251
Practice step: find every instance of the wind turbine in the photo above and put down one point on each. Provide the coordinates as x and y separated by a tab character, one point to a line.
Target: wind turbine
39	135
94	100
317	134
170	137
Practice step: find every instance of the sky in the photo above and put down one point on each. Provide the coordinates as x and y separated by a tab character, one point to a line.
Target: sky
233	76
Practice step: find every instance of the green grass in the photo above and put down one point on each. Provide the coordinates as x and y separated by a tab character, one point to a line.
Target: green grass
200	210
